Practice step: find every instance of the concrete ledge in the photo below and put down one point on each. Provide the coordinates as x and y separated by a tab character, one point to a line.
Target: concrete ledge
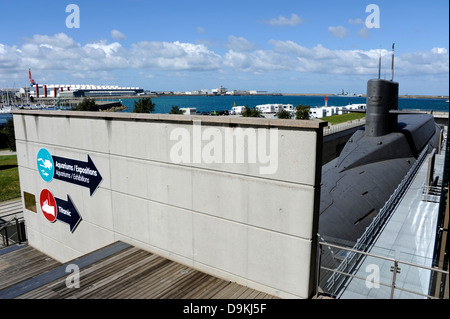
184	119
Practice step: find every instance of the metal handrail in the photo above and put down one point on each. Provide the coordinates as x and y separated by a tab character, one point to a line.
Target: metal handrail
4	228
393	260
343	126
431	193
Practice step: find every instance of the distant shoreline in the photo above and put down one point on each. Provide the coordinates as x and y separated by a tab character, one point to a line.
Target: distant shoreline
435	97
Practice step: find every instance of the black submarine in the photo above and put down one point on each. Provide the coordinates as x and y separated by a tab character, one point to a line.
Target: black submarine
356	185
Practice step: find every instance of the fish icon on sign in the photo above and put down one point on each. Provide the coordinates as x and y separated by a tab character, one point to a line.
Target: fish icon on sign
45	164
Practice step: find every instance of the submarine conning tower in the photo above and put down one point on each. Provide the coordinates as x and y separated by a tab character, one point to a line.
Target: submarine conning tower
382	97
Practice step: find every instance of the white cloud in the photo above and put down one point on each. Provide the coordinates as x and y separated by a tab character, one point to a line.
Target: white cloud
60	53
282	21
60	40
363	33
102	47
173	56
439	50
200	30
240	44
257	61
355	21
434	61
9	57
117	35
339	31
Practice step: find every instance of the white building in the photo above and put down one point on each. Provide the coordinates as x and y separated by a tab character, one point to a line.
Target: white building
255	92
237	110
219	91
189	110
238	92
274	108
319	112
56	90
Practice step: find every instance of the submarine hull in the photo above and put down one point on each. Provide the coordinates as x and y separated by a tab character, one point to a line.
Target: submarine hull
356	185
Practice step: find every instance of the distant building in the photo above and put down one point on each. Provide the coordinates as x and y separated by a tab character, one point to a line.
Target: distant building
69	90
219	91
319	112
258	92
188	110
238	92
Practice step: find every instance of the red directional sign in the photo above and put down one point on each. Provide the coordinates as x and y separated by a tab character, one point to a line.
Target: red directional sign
48	205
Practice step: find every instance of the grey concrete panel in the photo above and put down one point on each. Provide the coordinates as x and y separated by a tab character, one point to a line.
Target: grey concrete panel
226	218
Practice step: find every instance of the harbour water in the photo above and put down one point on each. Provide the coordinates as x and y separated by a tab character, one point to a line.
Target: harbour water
217	103
163	104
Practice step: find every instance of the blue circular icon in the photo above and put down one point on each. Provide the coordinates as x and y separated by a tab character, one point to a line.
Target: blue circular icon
45	165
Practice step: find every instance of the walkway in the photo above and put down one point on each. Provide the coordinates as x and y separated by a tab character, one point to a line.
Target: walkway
409	236
118	271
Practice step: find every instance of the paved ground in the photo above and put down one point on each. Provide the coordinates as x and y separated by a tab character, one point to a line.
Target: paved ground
7	152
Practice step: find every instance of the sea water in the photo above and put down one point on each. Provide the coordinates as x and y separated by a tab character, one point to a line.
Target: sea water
163	104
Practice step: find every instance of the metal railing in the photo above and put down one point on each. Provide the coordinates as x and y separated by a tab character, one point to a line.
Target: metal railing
12	232
431	193
373	280
343	126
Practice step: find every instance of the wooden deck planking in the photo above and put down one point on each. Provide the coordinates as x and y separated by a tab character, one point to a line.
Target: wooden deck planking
202	288
107	267
135	286
23	264
106	286
183	285
131	280
91	277
130	273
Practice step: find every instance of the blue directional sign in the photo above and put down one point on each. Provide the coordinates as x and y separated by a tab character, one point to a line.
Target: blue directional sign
54	208
68	170
77	172
45	165
68	213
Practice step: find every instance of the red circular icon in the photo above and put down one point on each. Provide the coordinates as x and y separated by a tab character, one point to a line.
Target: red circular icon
48	205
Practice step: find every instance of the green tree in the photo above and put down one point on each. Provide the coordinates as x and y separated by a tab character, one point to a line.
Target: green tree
176	110
283	114
88	104
302	112
251	112
144	105
11	137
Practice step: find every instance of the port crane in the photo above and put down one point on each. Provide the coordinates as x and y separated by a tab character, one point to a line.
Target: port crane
32	82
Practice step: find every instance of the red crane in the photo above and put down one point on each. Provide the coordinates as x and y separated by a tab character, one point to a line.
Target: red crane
31	79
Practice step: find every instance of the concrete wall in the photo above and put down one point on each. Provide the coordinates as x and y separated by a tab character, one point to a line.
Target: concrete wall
226	219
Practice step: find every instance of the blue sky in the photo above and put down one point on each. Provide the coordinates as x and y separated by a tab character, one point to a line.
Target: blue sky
182	45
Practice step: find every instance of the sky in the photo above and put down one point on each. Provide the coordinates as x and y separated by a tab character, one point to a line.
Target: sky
285	46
